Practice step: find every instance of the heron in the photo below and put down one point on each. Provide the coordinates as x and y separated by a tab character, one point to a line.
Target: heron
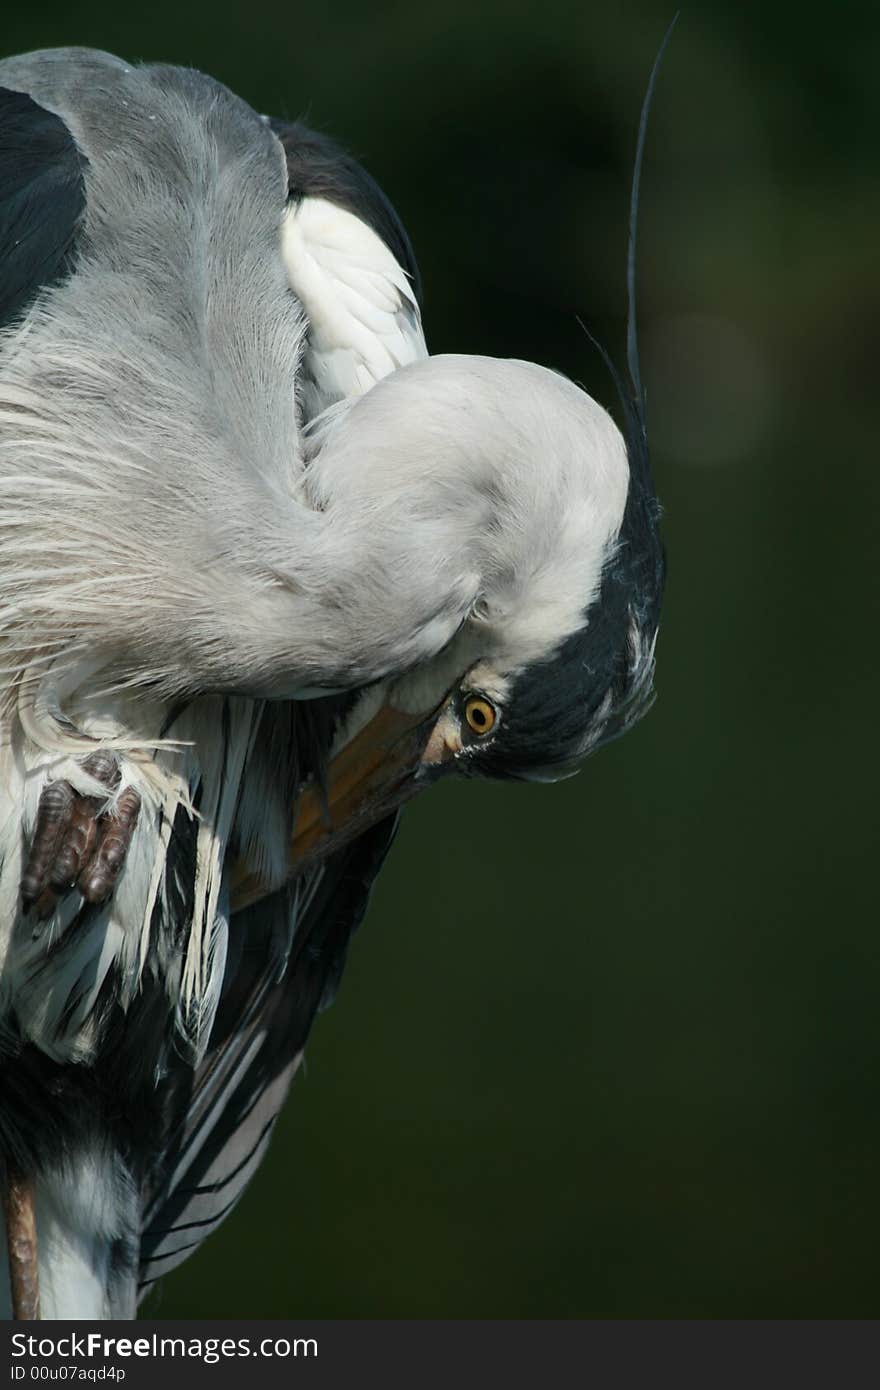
267	569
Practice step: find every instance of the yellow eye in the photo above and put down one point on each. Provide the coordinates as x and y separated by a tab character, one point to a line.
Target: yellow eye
479	714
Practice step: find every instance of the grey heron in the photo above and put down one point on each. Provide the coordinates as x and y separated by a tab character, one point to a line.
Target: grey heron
267	568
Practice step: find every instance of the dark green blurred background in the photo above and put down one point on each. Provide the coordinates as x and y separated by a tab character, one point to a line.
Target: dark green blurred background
610	1048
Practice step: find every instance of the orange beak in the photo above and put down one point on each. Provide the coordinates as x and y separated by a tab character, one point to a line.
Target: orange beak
369	778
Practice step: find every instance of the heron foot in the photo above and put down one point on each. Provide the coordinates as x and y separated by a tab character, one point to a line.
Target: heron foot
76	843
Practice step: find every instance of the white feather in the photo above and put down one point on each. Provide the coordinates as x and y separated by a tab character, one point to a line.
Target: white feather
364	321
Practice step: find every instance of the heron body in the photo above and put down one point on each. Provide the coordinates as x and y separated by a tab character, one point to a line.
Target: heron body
266	569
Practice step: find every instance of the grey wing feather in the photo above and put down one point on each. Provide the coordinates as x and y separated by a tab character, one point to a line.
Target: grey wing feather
261	1028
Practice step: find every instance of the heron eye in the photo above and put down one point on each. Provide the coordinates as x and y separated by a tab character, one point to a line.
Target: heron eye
479	714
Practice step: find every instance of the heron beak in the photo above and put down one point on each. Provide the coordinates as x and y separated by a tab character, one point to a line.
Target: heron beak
385	764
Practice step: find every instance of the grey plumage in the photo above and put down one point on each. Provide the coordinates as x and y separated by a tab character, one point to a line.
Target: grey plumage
222	583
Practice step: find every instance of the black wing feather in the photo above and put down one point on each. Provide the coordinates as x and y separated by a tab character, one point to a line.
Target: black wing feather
42	200
230	1108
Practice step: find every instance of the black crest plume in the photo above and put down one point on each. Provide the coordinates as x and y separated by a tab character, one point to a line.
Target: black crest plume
600	681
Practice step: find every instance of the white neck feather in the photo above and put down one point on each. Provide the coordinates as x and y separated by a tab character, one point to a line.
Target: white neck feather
469	488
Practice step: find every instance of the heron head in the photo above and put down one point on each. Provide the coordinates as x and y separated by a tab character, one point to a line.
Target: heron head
553	511
556	687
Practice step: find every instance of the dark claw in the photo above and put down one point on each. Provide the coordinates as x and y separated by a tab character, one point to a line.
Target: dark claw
104	768
74	844
53	817
77	843
98	879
